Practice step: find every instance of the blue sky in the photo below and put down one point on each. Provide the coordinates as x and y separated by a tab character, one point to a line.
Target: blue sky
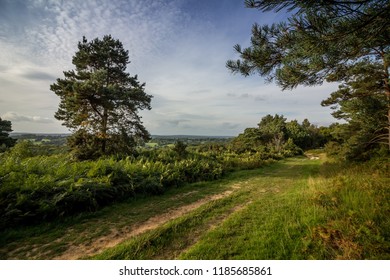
177	47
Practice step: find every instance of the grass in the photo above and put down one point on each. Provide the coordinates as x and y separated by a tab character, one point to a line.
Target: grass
151	145
271	226
292	209
221	222
168	241
50	240
297	209
332	215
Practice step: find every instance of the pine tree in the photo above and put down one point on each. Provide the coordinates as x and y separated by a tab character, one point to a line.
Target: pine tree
321	40
99	100
360	101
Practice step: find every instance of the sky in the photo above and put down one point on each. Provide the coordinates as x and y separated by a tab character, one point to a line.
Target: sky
179	48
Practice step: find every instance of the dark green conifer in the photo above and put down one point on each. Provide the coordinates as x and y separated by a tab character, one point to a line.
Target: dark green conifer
99	100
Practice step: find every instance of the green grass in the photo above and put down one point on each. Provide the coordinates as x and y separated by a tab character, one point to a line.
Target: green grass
296	209
339	213
168	241
48	240
151	145
271	226
293	209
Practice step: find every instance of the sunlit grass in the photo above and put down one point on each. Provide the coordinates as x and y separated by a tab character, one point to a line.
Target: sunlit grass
333	215
293	209
46	241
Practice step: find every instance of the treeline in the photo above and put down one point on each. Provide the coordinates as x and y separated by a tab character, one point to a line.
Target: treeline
161	140
278	136
351	141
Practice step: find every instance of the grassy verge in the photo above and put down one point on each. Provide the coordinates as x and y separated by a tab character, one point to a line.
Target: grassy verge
342	213
296	209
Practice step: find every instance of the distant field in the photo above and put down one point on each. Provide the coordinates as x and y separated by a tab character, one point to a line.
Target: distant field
156	141
151	145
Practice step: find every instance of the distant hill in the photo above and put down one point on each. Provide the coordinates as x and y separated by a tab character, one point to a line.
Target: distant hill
18	134
190	137
30	134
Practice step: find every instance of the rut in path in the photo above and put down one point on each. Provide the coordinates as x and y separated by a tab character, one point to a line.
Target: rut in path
117	236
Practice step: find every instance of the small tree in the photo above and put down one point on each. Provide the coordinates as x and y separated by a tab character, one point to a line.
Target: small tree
180	149
6	141
273	130
99	101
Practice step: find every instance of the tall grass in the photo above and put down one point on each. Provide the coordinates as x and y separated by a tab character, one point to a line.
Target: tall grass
341	213
356	201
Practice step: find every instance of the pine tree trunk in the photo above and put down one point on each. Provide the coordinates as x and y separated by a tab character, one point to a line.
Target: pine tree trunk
388	117
104	131
387	92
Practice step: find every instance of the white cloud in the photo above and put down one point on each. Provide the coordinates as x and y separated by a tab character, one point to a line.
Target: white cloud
15	117
178	50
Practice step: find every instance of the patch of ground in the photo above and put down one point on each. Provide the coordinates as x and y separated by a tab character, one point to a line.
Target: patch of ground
117	236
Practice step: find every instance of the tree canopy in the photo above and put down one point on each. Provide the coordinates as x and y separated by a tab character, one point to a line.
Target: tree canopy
99	100
278	135
360	101
5	140
320	38
320	41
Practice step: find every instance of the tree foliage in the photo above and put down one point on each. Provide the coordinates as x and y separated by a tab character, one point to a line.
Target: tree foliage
360	101
321	38
273	130
5	140
279	136
180	149
320	41
99	100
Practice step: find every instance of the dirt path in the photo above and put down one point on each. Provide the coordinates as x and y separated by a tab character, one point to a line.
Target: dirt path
119	235
92	235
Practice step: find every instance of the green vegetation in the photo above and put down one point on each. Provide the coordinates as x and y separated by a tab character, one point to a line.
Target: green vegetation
329	216
50	240
239	206
37	188
100	101
293	210
53	140
298	208
277	136
5	140
39	184
113	196
335	41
